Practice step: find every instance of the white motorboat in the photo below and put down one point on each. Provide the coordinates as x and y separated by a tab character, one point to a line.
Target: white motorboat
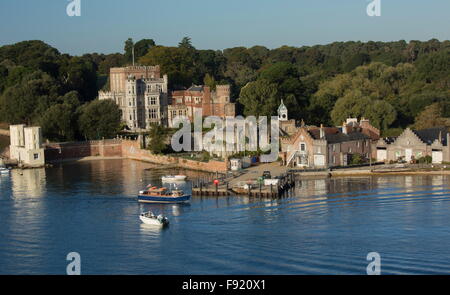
173	178
4	170
152	219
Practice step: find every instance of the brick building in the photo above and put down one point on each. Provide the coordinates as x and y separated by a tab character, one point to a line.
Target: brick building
200	98
320	147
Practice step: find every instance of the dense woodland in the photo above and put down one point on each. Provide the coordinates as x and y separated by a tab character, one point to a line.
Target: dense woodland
394	84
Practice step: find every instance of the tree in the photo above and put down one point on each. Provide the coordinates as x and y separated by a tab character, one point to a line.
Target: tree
58	122
186	43
177	63
158	135
355	105
128	50
259	98
142	47
26	101
210	81
99	119
431	116
79	74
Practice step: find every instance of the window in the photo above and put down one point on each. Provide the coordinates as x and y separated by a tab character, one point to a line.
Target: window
302	147
36	156
153	114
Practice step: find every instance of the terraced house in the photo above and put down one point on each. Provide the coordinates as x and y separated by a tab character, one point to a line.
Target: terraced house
415	144
321	147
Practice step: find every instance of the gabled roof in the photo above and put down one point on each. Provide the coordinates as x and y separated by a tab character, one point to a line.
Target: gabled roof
429	135
334	135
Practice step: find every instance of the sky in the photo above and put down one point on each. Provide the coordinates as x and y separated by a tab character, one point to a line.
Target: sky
104	25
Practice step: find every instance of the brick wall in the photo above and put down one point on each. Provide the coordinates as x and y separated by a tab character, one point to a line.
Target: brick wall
72	150
131	150
123	148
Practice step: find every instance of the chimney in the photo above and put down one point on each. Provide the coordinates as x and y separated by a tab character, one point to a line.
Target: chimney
344	128
322	131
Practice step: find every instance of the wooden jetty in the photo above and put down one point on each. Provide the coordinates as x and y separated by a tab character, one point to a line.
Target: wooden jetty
207	187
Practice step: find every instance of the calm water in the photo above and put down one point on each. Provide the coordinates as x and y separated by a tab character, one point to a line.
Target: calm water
325	227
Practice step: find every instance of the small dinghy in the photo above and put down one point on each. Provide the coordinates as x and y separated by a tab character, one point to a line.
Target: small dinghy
152	219
4	170
173	178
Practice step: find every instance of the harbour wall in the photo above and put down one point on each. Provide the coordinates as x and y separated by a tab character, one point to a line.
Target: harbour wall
122	148
131	150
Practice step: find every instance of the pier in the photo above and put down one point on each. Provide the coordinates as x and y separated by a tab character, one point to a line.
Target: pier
247	183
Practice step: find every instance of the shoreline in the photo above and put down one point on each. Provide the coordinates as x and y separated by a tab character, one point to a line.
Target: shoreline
348	173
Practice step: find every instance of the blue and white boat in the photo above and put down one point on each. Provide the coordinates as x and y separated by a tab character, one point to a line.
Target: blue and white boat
162	195
4	170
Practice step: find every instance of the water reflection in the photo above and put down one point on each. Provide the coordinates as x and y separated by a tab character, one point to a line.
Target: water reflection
28	183
325	226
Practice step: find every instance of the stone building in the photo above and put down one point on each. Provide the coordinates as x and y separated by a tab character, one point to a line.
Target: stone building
201	99
321	147
140	93
287	127
415	144
26	145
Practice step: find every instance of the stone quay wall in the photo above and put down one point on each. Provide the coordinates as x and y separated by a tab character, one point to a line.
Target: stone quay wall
123	148
74	150
131	150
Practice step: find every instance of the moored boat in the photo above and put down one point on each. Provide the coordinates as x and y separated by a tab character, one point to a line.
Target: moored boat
173	178
152	219
162	195
4	170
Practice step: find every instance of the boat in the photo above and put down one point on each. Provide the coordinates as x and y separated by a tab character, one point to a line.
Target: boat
152	219
4	170
155	194
173	178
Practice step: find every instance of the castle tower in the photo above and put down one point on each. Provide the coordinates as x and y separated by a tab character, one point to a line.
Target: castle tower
222	94
282	112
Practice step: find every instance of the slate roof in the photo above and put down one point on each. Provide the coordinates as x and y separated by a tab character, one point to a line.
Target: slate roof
431	134
334	135
195	88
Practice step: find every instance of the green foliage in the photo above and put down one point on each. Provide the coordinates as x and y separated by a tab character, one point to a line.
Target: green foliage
425	160
260	98
395	80
357	159
142	47
186	43
433	116
210	81
128	50
59	120
392	132
177	63
99	119
158	136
